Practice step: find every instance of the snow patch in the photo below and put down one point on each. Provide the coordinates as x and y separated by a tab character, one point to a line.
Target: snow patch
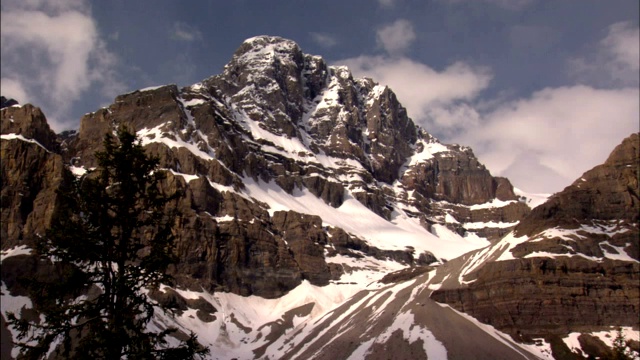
156	134
490	224
13	304
429	149
412	332
151	88
495	203
78	171
194	102
15	251
607	337
13	136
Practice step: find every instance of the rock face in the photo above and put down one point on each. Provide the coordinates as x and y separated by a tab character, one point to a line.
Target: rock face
570	265
536	297
276	122
31	171
450	184
29	122
456	176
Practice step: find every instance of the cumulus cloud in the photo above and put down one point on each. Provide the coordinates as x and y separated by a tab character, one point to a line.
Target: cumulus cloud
395	38
323	39
52	53
545	141
560	132
615	62
184	32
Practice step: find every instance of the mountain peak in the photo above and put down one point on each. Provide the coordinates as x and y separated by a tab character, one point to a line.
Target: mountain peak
266	40
625	151
265	49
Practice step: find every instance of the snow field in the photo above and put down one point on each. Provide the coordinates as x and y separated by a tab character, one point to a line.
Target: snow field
253	312
400	233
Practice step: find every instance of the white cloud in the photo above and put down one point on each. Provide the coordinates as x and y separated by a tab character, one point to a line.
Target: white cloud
616	61
561	132
396	37
623	42
184	32
323	39
52	53
68	39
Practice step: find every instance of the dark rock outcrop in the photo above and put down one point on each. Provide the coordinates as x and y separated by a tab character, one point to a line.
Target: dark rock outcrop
456	176
4	102
306	240
450	181
29	122
30	173
137	110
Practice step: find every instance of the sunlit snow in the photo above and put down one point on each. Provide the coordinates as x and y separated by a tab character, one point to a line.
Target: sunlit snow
13	136
532	199
400	233
15	251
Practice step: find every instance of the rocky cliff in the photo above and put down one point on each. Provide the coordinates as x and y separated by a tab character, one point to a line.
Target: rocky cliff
31	170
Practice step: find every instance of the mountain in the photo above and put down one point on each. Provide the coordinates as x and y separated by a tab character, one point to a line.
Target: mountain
572	264
317	220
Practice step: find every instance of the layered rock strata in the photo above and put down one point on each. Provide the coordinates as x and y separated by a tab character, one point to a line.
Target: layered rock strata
570	265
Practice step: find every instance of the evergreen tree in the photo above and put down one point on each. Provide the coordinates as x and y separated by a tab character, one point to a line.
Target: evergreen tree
620	347
110	242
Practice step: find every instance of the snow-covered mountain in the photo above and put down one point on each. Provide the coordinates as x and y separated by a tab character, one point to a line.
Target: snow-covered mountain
317	219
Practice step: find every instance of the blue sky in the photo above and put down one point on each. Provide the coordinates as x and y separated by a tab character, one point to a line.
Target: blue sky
542	90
